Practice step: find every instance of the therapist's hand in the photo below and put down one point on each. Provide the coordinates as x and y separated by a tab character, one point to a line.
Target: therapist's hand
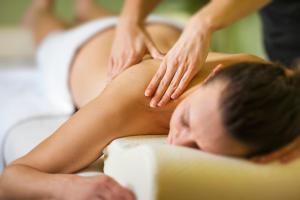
284	155
180	65
130	44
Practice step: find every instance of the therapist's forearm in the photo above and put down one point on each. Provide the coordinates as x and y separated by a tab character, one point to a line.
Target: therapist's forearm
218	14
135	11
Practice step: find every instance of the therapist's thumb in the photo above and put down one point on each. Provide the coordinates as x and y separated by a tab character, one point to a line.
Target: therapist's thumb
155	53
151	47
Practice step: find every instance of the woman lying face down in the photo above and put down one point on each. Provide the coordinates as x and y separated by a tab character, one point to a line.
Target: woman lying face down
242	110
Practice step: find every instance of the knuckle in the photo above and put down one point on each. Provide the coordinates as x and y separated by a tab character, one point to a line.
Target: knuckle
154	83
184	79
168	94
179	88
123	56
157	76
164	97
174	85
163	83
195	70
157	96
174	62
133	56
192	62
151	86
136	53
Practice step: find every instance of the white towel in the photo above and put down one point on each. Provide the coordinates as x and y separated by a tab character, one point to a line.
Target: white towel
20	99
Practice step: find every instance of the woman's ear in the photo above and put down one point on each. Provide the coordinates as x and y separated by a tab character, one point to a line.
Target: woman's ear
214	72
217	69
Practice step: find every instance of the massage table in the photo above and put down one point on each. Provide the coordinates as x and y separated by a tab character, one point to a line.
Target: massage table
155	170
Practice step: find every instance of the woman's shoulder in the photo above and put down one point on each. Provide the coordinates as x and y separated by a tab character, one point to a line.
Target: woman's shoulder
225	58
214	59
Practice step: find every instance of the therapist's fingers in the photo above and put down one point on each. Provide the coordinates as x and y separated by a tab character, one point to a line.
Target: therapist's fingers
117	66
172	87
111	67
186	79
156	80
115	62
128	48
164	84
113	70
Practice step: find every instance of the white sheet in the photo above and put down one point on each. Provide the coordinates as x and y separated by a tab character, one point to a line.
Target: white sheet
20	98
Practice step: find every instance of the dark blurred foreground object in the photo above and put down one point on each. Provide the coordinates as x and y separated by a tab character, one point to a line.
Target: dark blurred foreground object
281	29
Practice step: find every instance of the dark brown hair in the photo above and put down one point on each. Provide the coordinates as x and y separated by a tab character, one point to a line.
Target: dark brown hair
260	104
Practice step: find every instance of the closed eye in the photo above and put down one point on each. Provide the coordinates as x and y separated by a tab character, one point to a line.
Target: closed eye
195	146
184	122
185	118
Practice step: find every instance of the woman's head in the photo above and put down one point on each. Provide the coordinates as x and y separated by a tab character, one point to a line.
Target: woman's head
244	109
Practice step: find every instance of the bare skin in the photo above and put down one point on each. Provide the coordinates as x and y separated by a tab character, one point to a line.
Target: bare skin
106	112
182	61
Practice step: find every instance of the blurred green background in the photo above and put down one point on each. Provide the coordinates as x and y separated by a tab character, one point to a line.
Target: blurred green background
243	36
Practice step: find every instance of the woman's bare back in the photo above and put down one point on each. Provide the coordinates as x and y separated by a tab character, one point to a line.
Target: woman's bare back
89	70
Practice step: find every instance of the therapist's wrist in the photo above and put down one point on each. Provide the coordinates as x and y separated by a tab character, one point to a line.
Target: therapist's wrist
128	26
203	24
198	28
129	19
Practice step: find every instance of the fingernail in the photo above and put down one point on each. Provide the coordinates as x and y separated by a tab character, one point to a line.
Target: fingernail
147	93
162	102
152	104
173	96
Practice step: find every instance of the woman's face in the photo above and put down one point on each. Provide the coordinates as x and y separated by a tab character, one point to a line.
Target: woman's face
197	123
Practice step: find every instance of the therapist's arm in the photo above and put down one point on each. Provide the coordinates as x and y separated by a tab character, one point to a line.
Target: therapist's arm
189	53
220	13
135	11
131	41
